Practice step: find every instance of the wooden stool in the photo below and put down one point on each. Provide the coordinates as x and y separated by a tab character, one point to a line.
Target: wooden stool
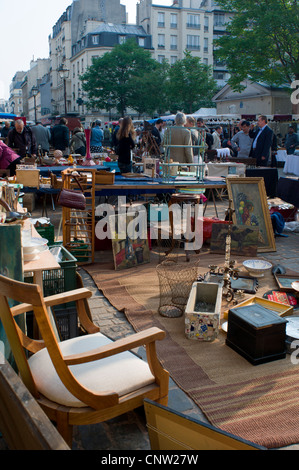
192	199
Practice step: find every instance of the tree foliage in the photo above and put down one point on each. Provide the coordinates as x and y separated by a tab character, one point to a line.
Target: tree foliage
111	81
190	84
261	41
128	77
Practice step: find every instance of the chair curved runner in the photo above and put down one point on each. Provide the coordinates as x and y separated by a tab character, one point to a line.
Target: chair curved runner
83	380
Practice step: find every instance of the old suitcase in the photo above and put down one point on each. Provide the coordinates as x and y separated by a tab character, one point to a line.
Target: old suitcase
256	333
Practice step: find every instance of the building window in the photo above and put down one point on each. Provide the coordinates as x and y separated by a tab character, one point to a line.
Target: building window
161	40
173	20
206	45
219	19
173	59
141	42
206	61
206	24
193	42
161	58
173	42
193	21
122	39
161	20
95	39
219	75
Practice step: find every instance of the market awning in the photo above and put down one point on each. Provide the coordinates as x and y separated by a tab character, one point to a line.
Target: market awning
7	116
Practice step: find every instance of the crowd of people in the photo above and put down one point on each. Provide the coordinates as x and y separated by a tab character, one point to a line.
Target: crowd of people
255	140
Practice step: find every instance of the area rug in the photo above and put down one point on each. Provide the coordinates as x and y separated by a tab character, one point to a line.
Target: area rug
258	403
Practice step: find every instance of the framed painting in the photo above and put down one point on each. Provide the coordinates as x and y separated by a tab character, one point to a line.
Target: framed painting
249	201
243	239
130	245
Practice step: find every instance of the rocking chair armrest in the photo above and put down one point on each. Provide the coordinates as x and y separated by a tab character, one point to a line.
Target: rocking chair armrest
142	338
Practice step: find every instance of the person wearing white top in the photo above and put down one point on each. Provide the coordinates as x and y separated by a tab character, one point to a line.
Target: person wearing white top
216	138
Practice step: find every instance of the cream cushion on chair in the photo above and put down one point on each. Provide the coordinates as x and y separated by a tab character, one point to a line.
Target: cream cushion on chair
121	373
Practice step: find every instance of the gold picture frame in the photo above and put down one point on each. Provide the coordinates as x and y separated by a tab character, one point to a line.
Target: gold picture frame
249	201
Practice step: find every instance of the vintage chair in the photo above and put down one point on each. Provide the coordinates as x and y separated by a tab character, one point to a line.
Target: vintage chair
83	380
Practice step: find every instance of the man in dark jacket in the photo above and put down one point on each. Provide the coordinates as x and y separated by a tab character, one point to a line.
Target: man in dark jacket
60	136
21	139
291	141
262	137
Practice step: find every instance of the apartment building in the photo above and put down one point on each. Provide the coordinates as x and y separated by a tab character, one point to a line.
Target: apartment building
15	101
87	29
190	25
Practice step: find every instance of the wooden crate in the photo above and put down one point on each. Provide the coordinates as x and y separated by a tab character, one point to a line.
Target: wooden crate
104	177
29	178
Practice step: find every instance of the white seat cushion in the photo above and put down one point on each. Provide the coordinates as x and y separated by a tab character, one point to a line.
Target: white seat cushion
121	373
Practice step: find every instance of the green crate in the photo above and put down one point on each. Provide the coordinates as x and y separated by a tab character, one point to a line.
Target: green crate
60	280
47	233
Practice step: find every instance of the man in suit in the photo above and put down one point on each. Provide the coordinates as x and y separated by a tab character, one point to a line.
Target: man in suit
181	136
262	137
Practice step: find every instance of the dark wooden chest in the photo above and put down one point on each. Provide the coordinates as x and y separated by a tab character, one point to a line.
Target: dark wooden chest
256	333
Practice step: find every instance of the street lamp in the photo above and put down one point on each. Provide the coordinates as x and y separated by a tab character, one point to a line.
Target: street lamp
64	75
34	91
13	106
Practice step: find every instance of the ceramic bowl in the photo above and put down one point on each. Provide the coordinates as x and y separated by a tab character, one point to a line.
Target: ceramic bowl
257	267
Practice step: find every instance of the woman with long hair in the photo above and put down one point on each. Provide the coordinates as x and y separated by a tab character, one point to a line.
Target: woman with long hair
125	143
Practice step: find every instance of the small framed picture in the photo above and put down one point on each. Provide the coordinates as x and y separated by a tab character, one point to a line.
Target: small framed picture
284	281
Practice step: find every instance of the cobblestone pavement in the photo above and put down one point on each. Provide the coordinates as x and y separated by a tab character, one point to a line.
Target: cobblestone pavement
128	432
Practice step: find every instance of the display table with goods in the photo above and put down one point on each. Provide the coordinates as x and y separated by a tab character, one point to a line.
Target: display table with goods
291	165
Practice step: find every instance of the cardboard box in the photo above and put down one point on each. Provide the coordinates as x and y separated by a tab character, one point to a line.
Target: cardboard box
28	178
104	177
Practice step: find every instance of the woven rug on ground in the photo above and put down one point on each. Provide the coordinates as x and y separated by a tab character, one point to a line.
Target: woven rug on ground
258	403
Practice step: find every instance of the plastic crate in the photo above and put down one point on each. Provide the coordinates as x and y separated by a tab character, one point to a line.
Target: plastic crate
47	233
60	280
66	321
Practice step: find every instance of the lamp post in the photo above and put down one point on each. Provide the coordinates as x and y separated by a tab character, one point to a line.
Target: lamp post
34	91
64	75
13	106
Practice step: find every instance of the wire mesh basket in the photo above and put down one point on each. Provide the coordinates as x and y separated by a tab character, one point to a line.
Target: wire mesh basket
175	282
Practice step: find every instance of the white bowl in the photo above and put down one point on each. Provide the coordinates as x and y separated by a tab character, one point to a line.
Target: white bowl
257	267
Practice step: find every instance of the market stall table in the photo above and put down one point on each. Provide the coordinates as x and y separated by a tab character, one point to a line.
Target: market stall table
281	155
270	176
291	165
288	190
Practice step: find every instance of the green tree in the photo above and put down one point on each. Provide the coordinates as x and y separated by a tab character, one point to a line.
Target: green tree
262	41
190	84
116	79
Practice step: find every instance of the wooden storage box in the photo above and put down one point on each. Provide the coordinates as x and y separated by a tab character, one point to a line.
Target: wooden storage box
28	178
104	177
256	333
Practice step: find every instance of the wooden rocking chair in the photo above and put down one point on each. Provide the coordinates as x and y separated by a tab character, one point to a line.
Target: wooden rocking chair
83	380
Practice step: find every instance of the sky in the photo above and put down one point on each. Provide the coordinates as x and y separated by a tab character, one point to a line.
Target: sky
25	27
